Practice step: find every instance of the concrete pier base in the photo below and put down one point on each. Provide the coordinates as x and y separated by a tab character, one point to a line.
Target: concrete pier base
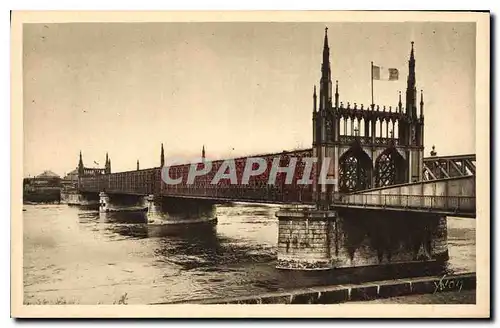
103	202
322	240
304	239
155	214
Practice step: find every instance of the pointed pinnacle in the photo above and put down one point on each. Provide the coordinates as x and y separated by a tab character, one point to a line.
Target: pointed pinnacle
326	38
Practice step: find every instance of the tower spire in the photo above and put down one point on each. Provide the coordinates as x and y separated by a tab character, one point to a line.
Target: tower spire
400	104
336	93
162	157
325	87
421	103
203	153
411	89
137	165
80	165
106	165
326	36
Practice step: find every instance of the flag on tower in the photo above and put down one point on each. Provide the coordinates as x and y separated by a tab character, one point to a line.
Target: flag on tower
384	74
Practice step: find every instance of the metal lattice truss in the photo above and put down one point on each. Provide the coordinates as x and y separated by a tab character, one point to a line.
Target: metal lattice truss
449	166
355	171
389	168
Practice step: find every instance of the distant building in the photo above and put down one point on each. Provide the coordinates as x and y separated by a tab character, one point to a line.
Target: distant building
45	187
70	181
72	176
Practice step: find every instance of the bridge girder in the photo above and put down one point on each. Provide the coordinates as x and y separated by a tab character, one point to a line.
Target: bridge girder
449	167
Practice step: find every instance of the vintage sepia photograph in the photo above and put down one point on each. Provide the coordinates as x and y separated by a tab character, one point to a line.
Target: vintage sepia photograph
251	160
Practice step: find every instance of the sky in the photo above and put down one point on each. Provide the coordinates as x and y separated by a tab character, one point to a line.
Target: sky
237	88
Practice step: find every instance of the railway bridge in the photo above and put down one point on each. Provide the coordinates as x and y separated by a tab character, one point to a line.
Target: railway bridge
367	194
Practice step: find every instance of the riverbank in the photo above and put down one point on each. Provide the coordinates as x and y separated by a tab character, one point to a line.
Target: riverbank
360	292
462	297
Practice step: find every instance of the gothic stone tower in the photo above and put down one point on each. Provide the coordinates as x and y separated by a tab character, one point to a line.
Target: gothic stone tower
324	132
365	146
413	125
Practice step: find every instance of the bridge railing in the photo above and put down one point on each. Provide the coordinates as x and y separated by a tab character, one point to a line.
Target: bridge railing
239	193
453	204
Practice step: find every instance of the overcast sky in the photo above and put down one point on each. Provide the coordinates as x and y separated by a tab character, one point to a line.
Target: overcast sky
237	88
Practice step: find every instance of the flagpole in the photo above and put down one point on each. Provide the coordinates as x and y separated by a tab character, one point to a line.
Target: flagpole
371	72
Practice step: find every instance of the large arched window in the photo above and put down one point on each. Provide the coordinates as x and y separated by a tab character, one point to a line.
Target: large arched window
390	168
355	170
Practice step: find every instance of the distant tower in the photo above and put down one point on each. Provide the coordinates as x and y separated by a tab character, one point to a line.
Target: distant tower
80	165
137	165
107	166
162	157
203	153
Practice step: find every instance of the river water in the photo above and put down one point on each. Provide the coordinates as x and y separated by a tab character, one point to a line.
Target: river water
75	255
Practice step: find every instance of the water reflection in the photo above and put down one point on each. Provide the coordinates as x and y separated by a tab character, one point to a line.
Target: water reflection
189	246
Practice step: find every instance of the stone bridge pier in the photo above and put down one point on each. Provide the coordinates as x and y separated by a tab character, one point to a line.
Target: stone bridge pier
81	199
176	210
347	238
110	202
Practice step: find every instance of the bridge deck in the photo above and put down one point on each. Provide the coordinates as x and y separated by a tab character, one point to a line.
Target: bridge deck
453	195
